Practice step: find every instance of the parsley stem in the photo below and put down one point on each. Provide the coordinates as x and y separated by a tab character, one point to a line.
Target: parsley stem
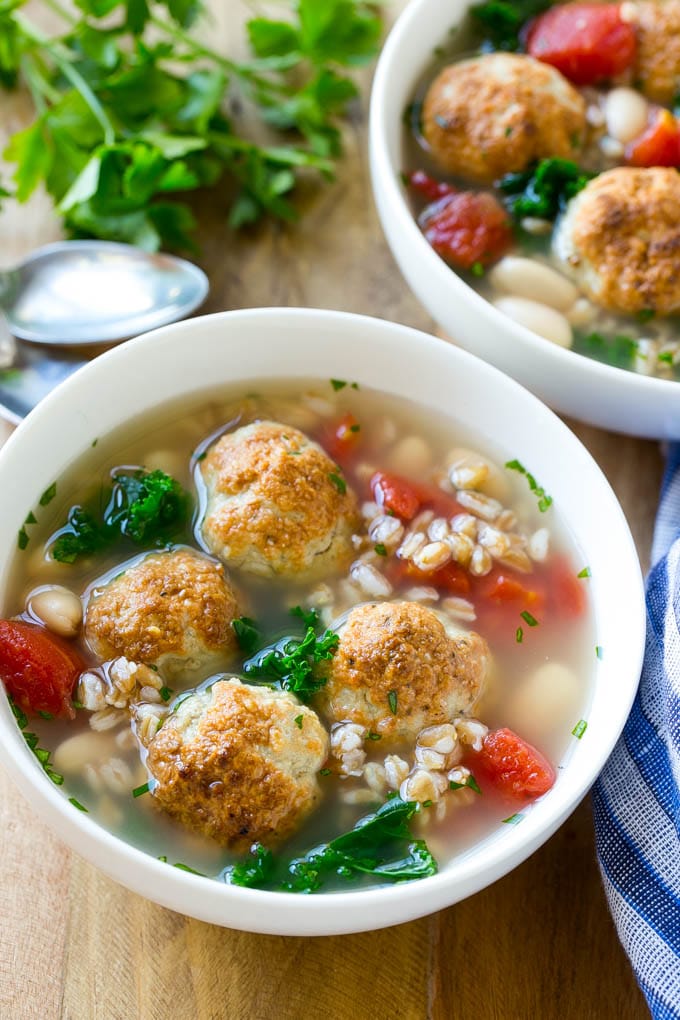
62	58
30	75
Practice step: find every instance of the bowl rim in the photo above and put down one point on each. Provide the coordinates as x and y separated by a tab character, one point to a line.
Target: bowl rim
323	913
393	195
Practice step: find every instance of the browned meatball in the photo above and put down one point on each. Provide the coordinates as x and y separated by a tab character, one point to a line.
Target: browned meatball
620	239
396	670
239	763
657	65
500	112
277	505
171	609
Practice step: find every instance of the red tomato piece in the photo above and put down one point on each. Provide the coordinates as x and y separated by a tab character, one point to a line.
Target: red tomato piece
451	578
568	591
341	438
396	494
513	767
427	186
659	145
587	42
38	669
467	228
505	589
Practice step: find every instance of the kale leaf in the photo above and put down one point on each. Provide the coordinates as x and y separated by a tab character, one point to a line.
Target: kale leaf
544	190
289	662
502	21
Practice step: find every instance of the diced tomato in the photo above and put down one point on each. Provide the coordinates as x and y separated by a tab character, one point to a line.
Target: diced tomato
659	145
515	769
467	228
451	579
38	669
567	590
432	497
501	588
395	494
587	42
427	186
341	438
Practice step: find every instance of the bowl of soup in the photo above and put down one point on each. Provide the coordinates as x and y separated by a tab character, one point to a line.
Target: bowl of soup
298	642
525	174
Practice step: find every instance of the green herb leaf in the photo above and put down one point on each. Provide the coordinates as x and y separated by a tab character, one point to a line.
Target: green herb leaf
139	791
247	633
503	20
292	663
579	729
392	701
530	620
77	804
299	719
586	572
513	819
380	549
48	495
543	191
338	384
599	651
544	500
338	482
519	635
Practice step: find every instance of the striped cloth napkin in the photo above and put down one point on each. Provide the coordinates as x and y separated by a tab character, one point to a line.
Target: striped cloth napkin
637	797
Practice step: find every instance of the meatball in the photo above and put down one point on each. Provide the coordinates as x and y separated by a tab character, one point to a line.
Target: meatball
171	609
620	239
657	67
239	763
396	670
277	505
500	112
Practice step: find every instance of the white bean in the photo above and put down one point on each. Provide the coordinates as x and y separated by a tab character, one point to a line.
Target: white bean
547	322
58	608
410	456
527	278
74	753
626	113
546	698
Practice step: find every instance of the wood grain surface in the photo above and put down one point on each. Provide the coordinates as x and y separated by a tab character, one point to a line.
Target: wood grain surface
539	943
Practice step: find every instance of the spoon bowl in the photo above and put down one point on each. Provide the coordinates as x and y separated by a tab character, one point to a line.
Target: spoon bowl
97	292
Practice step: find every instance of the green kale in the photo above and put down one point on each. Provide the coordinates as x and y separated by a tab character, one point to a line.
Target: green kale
289	663
544	190
502	21
247	633
617	350
80	536
380	845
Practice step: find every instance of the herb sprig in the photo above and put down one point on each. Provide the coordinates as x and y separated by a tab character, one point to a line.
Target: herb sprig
131	110
291	662
544	190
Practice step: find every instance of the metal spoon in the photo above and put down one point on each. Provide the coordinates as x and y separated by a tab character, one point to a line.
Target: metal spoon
82	294
97	292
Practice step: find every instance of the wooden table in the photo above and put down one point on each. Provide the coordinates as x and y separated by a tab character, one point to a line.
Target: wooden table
539	944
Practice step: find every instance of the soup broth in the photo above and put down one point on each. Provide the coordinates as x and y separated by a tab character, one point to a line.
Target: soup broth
519	583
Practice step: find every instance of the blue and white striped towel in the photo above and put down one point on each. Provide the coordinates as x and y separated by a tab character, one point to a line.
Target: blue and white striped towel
637	797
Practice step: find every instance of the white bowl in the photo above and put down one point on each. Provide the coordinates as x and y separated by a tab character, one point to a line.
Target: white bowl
248	345
571	383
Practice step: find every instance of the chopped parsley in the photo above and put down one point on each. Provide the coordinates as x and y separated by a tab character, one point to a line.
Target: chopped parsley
544	500
339	482
519	635
586	572
470	783
618	350
373	736
165	693
45	715
48	495
544	190
530	620
381	845
185	867
77	804
139	791
355	427
513	819
502	21
645	315
579	729
247	633
299	719
599	651
338	384
309	617
477	269
324	772
380	549
665	357
22	540
41	753
392	701
31	518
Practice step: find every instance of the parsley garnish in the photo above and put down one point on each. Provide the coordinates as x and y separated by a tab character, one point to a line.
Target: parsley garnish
145	507
139	791
513	819
324	772
665	357
503	20
544	500
381	844
31	518
599	651
585	572
22	540
41	753
380	549
645	315
392	701
165	693
132	109
519	635
579	729
339	483
77	804
373	736
470	783
299	719
48	495
617	350
338	384
477	269
530	620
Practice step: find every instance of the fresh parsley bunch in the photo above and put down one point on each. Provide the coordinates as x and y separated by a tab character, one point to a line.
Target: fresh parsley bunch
132	110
